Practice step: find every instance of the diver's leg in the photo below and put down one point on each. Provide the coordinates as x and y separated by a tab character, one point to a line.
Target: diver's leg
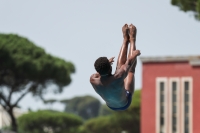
122	57
130	79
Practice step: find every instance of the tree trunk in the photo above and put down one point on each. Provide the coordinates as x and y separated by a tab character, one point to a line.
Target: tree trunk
13	120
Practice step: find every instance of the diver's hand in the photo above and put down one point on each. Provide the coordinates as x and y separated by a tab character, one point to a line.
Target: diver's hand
111	60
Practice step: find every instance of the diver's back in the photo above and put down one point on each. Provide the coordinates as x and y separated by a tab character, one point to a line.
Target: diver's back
112	91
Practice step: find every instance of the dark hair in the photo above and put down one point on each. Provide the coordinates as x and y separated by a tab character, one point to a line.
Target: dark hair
102	65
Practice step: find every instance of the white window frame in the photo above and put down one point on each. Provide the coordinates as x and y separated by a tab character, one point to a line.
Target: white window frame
158	81
171	80
190	80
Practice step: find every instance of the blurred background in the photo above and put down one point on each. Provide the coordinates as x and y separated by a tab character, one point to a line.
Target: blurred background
47	54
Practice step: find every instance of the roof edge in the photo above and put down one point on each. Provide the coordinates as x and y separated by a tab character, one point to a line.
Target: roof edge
193	60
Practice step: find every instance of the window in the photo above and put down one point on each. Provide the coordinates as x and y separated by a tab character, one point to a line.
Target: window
174	105
174	110
161	103
162	107
186	106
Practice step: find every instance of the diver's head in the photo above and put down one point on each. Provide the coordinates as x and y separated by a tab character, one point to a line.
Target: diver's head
103	66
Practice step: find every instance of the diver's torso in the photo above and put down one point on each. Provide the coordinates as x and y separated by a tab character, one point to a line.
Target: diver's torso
112	91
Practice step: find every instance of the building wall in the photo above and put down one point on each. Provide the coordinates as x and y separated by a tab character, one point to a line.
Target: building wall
148	107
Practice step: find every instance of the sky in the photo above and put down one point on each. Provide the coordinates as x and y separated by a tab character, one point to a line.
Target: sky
82	31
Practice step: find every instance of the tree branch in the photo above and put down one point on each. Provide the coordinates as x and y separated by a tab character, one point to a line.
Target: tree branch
34	86
20	98
10	94
3	98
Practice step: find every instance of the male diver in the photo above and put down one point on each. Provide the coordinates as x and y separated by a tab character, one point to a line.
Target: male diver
117	89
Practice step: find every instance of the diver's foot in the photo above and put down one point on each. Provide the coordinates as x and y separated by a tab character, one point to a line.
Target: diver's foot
125	31
132	31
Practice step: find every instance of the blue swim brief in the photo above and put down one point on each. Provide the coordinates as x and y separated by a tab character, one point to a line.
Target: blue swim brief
129	98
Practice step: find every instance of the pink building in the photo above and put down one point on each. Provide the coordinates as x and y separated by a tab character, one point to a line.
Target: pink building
170	94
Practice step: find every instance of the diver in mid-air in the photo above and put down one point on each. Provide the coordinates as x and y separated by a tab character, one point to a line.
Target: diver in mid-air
117	89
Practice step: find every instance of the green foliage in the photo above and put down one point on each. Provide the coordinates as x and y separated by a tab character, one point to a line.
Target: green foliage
85	106
128	120
6	128
48	122
50	101
188	5
81	129
26	68
24	60
104	110
102	124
